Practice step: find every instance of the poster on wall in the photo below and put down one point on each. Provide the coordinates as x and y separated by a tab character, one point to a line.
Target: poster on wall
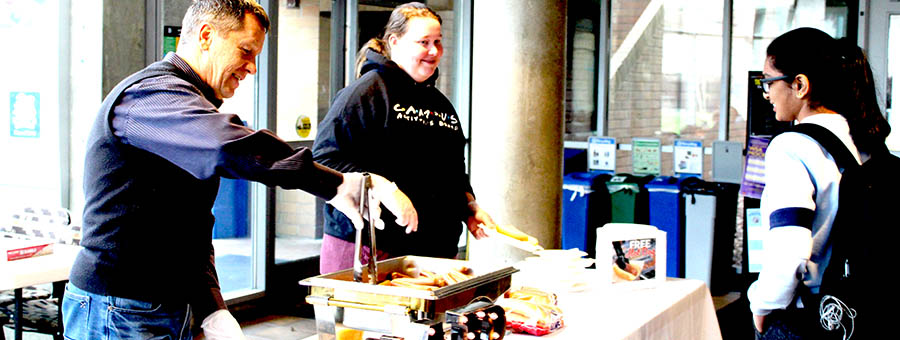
755	234
602	154
646	156
688	157
171	34
296	127
755	167
25	114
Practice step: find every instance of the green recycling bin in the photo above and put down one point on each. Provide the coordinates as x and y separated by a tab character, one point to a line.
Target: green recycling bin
628	198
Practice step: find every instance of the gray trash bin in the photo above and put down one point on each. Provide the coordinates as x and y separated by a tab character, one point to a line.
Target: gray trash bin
710	210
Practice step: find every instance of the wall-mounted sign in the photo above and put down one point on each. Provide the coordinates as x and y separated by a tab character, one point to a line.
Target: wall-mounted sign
602	154
25	114
171	34
646	156
687	158
303	126
755	234
755	167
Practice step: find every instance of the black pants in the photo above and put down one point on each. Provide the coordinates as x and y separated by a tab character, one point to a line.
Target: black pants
794	324
781	325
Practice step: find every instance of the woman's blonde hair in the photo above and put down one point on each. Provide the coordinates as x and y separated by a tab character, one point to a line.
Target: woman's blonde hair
397	25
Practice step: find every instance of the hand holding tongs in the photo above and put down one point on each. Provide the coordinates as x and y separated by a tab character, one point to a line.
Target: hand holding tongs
368	223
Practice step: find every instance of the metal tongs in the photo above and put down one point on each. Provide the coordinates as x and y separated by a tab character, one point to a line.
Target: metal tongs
368	223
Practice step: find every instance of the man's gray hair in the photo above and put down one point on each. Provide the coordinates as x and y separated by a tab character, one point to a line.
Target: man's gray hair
224	15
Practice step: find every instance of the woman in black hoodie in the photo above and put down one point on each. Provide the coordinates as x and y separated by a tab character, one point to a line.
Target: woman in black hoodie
394	122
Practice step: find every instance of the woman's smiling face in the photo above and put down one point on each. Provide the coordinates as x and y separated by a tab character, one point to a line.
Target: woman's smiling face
419	51
781	94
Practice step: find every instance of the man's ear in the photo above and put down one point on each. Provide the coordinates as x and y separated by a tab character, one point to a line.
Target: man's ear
204	37
801	84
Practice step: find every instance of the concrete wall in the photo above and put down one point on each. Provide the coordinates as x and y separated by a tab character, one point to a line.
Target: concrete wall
517	118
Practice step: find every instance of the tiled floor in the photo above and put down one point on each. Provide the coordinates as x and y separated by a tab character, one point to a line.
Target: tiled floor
277	328
267	328
734	321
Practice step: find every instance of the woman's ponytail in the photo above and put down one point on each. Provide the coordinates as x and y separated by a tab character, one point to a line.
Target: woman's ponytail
868	127
377	46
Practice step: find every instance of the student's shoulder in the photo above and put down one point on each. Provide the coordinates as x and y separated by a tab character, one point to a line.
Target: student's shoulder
798	147
793	142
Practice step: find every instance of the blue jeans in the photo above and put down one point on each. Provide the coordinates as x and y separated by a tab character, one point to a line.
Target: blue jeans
88	316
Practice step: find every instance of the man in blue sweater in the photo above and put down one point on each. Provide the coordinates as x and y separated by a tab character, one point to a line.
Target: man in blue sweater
154	158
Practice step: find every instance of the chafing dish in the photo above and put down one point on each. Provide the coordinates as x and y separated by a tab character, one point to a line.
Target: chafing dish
340	302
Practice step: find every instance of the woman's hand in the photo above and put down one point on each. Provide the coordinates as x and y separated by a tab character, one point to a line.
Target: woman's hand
382	191
759	322
477	217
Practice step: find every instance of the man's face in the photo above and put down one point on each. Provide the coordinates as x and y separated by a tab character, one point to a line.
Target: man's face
232	56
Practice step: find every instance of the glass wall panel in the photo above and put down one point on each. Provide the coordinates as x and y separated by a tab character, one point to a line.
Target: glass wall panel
754	26
304	70
664	74
581	70
29	102
304	53
893	140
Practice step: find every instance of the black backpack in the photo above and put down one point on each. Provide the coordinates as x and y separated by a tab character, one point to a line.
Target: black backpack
856	297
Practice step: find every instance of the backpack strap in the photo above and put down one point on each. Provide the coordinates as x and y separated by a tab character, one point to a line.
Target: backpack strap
842	156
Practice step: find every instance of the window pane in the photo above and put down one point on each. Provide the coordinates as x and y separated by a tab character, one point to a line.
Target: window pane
304	54
893	140
664	76
29	100
233	227
754	26
581	80
304	97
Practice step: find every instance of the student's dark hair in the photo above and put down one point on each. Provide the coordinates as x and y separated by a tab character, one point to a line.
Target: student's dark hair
397	24
840	80
224	15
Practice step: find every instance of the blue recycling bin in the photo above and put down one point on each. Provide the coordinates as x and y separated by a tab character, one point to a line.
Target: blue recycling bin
667	214
585	208
231	209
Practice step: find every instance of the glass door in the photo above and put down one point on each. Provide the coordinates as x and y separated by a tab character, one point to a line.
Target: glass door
33	171
316	58
882	44
238	237
304	75
891	96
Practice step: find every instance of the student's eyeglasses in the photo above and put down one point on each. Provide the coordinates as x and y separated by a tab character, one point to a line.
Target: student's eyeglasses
764	83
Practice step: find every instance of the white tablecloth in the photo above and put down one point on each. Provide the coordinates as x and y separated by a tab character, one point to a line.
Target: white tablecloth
39	270
676	309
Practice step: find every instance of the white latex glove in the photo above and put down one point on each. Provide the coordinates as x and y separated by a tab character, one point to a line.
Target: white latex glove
220	325
382	192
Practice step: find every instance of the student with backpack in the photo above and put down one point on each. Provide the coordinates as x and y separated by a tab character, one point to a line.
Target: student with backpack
811	79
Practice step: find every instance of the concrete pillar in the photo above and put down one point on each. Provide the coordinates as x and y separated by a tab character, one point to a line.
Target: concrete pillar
123	41
518	74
